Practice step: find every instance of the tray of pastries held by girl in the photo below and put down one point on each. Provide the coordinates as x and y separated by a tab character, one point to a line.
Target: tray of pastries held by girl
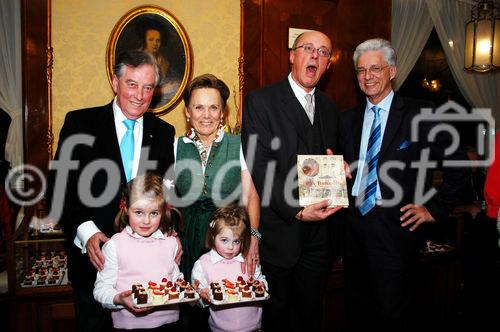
165	292
229	292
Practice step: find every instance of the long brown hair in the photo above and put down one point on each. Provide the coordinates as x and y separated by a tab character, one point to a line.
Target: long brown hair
233	217
150	186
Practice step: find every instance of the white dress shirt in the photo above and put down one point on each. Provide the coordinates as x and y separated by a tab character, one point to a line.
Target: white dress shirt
88	228
300	93
385	106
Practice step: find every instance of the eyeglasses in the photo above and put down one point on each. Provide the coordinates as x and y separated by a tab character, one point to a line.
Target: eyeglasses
309	48
372	70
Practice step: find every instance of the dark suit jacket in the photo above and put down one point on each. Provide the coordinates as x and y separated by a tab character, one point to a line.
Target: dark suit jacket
98	123
278	119
386	233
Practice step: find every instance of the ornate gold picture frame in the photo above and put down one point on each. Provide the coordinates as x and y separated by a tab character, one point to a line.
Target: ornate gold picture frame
155	30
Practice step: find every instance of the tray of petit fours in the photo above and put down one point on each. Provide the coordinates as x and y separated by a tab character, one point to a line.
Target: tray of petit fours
48	269
163	293
228	292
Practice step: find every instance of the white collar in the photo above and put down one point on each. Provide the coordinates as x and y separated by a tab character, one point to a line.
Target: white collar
385	104
158	234
190	135
215	257
119	116
298	90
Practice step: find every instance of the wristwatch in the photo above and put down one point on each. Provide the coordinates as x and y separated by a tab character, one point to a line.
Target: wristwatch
256	234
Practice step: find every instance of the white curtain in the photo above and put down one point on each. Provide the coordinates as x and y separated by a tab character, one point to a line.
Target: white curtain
11	77
411	27
480	90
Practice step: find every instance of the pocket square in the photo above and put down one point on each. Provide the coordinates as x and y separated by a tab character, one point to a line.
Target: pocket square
404	145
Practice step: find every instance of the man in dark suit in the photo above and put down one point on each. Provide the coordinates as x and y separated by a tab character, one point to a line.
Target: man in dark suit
386	213
281	121
98	153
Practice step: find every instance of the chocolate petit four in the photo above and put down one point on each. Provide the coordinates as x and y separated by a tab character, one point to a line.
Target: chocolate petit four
179	282
189	293
217	294
141	296
184	286
136	286
41	280
259	291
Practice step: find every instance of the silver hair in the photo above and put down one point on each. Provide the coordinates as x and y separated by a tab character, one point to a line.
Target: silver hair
134	59
376	44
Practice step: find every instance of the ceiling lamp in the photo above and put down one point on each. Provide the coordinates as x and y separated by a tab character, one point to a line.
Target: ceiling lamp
432	86
482	37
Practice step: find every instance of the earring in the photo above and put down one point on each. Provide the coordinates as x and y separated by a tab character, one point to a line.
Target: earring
188	119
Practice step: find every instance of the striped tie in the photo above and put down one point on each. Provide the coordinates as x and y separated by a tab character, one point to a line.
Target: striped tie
127	148
369	181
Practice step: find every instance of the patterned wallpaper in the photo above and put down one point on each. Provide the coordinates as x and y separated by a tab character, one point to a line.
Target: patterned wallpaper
80	32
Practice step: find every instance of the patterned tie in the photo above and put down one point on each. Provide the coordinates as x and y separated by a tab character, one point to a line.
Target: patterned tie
127	148
369	180
309	107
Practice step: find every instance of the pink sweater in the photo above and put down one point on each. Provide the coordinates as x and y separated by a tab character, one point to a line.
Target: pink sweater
237	318
142	260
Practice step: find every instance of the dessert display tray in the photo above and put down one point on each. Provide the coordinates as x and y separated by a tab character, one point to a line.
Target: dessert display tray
51	231
432	247
46	269
61	280
165	302
227	301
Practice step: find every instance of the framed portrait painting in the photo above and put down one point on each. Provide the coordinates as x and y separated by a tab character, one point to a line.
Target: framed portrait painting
155	30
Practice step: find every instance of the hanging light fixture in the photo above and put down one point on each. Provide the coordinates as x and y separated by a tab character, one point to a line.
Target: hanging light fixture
482	37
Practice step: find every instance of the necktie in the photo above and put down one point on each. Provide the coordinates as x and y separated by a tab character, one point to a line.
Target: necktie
127	148
369	181
309	107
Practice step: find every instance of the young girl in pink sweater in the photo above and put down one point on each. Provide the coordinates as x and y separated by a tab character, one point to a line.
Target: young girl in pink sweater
228	237
139	253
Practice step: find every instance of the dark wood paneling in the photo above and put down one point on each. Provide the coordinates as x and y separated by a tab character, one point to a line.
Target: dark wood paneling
37	62
252	44
265	39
